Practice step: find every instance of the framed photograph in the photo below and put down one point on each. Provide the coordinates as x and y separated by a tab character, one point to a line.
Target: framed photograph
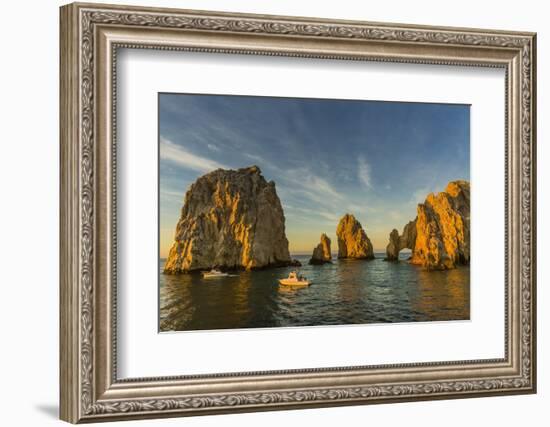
266	212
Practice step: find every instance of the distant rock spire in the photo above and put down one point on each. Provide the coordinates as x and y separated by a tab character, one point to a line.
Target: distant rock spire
321	254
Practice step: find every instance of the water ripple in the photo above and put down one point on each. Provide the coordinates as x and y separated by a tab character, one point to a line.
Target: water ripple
345	292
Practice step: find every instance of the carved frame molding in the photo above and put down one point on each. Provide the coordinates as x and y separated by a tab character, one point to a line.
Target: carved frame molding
90	37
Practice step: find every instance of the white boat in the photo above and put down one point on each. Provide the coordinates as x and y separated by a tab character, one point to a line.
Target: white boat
295	279
214	273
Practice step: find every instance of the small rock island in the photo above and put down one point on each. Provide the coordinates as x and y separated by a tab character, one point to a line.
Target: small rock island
439	236
231	219
321	254
353	242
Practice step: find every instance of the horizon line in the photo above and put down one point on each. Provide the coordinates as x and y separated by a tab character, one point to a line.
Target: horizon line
335	254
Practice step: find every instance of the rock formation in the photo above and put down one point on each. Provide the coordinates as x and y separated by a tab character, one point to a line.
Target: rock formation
393	248
439	237
352	239
397	242
231	219
321	254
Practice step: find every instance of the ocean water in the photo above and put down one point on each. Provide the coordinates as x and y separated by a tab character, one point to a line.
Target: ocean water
342	293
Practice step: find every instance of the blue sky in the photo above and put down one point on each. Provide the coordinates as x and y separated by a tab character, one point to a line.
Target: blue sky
376	160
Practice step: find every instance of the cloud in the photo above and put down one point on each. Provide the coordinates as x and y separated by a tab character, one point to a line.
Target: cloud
363	172
171	195
213	147
319	185
362	209
312	186
176	154
330	216
258	159
308	213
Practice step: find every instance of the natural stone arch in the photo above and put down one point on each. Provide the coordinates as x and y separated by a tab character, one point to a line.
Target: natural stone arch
439	237
397	243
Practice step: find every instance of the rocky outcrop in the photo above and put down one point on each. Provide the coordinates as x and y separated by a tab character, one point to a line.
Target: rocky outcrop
352	239
321	254
393	248
397	242
439	237
231	219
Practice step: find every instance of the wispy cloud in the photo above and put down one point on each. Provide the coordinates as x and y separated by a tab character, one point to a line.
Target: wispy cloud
363	209
330	216
371	162
176	154
256	158
172	195
318	185
364	172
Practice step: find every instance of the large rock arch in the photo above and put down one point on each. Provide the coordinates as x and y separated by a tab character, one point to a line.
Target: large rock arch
398	242
439	237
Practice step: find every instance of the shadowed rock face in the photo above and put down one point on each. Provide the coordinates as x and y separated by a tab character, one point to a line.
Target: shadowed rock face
321	254
352	239
439	237
393	248
230	220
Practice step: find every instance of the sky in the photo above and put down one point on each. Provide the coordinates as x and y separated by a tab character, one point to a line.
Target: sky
376	160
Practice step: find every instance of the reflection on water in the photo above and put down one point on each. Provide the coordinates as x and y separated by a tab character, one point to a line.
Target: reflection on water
345	292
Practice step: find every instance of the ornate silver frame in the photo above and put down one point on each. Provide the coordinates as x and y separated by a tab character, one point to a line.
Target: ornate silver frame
90	36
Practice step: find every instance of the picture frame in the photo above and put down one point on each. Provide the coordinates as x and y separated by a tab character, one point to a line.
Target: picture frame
91	35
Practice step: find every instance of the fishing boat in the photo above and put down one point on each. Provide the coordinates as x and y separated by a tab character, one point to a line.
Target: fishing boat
213	274
295	279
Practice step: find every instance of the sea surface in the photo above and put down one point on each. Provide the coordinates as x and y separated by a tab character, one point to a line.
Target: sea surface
342	293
